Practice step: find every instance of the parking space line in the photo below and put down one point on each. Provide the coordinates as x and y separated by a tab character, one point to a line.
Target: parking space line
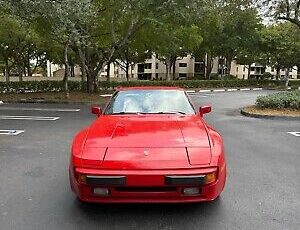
296	134
33	118
39	109
106	95
11	132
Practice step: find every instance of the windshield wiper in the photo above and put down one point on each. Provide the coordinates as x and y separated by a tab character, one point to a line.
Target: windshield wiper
125	113
177	112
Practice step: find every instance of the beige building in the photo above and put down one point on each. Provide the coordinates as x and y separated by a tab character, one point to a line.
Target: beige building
186	68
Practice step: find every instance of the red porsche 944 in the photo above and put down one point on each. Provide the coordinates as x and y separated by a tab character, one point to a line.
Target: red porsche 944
149	145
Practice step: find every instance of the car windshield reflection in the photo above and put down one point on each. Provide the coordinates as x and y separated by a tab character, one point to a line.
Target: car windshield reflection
143	102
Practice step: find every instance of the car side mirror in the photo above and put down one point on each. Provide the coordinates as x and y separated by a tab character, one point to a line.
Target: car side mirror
204	110
96	110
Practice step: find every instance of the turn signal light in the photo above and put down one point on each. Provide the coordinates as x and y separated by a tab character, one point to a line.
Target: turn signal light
211	178
81	178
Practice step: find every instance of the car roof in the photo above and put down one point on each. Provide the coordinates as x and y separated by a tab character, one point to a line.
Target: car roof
149	88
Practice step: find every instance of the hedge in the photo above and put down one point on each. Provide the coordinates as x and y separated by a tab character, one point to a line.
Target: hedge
58	86
282	100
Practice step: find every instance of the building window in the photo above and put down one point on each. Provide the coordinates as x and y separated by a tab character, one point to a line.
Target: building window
156	65
200	68
182	75
141	68
145	76
183	65
272	69
148	65
252	68
237	69
244	69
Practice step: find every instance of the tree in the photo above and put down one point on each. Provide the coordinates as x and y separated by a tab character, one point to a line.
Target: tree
281	45
18	46
238	31
287	10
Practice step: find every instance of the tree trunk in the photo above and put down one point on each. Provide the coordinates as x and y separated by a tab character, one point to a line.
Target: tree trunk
108	72
287	77
20	72
127	70
83	67
228	64
92	81
6	71
174	68
277	73
208	66
222	68
72	71
167	70
29	70
67	69
249	71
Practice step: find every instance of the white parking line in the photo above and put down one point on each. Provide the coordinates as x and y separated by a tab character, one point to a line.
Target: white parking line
203	96
191	91
219	90
106	95
296	134
40	109
33	118
257	89
232	90
245	89
11	132
205	91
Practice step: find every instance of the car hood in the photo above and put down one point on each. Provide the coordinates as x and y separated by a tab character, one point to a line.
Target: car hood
146	142
159	131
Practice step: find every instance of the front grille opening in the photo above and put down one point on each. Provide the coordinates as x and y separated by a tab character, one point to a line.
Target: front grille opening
146	189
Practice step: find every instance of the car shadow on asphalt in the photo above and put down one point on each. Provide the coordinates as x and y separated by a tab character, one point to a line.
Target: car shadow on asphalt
114	211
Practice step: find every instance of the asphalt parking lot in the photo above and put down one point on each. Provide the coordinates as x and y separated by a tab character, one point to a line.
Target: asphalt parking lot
262	190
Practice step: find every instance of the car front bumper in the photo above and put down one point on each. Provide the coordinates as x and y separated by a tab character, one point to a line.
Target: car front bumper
148	186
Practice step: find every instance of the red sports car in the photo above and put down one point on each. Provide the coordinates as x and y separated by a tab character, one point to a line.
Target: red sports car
148	145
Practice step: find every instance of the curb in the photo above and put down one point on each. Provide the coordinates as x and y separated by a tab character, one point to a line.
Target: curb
271	117
46	102
226	90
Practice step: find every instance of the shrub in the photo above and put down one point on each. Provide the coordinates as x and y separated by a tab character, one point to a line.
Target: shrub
282	100
266	76
230	77
58	86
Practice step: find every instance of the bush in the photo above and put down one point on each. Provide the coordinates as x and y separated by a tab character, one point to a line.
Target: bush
282	100
230	77
38	86
58	86
266	76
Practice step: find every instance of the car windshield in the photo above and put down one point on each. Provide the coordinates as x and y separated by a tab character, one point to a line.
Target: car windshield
150	102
